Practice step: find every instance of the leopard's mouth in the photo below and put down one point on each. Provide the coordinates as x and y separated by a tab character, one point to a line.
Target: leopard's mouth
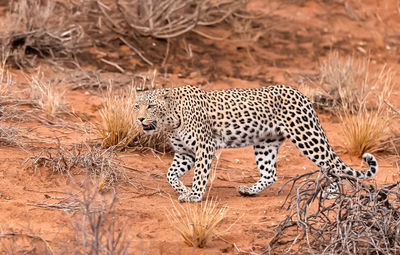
151	127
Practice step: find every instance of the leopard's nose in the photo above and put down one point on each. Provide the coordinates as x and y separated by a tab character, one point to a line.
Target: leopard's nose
141	120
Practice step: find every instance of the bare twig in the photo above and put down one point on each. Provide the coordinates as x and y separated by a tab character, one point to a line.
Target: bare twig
8	234
362	219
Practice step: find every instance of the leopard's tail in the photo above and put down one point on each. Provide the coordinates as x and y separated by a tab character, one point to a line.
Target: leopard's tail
373	168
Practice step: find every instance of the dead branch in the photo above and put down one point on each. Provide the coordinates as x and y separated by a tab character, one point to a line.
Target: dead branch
363	219
39	29
95	160
11	234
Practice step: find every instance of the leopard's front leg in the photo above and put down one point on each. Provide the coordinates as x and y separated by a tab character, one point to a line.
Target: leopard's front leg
181	164
204	156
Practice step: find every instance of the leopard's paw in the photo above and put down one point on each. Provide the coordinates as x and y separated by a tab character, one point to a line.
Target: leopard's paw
246	191
189	198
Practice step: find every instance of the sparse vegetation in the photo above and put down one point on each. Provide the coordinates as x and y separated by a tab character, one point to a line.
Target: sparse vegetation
98	229
23	242
344	81
37	29
363	219
369	128
45	94
356	93
95	160
10	136
6	80
367	131
93	45
118	126
196	222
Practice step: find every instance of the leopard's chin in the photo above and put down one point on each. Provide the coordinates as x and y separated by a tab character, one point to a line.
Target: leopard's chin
150	128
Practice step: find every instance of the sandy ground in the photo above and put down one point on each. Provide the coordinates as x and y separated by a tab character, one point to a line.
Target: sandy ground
371	28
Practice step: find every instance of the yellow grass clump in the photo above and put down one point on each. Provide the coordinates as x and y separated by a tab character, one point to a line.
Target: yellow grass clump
368	129
197	222
45	94
118	126
344	80
5	80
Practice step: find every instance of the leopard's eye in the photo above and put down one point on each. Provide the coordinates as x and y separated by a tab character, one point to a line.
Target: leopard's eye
151	106
136	107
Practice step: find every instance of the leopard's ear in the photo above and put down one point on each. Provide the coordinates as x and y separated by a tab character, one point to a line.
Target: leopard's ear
137	92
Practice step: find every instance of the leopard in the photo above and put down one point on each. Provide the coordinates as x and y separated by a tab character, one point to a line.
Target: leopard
198	122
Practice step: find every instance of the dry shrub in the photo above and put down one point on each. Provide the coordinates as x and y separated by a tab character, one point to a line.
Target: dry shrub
363	219
6	80
369	128
94	160
357	94
120	128
24	241
367	131
10	136
171	18
36	28
196	222
45	94
98	231
137	23
344	81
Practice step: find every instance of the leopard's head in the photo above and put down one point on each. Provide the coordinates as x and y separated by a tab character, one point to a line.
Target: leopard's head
156	111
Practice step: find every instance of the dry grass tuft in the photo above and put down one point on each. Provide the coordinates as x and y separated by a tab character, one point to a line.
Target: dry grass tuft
10	136
6	80
367	131
369	128
45	94
98	230
196	222
119	127
357	93
95	160
344	81
36	28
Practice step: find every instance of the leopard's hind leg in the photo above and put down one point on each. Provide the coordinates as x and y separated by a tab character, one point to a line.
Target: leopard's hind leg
266	155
